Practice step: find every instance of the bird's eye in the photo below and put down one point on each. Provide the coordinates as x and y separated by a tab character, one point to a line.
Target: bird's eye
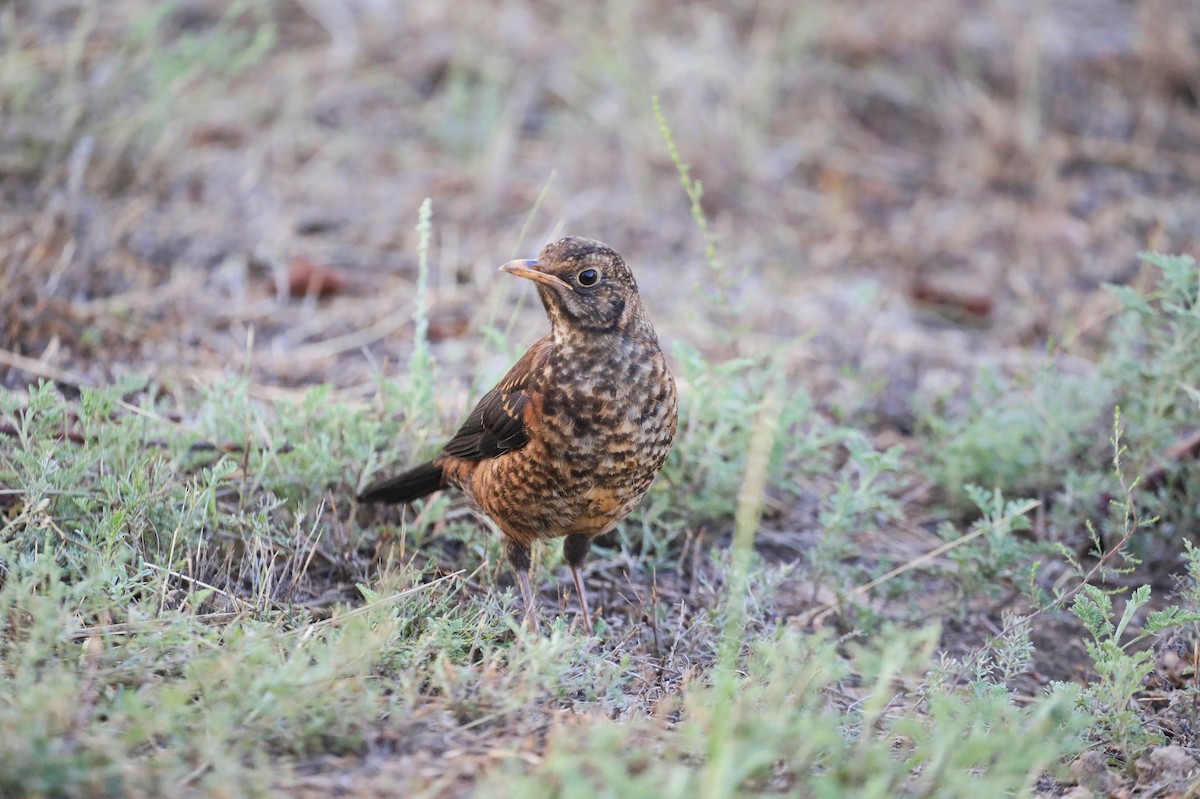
588	277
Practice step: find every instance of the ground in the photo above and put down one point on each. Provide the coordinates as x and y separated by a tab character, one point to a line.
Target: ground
931	396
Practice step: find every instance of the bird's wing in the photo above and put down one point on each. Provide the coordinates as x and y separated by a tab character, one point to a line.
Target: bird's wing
497	424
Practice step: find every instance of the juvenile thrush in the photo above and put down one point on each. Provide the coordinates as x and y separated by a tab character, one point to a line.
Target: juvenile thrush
570	440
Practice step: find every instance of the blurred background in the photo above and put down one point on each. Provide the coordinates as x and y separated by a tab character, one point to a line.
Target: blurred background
894	191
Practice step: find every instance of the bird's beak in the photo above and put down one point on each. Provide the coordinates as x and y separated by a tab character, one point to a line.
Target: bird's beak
529	268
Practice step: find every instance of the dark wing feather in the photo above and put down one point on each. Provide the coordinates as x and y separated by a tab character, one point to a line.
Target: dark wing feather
497	425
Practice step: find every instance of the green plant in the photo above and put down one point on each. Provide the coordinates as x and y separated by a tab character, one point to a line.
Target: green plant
1190	592
1122	669
863	496
863	488
996	554
1006	658
784	730
718	405
1017	436
1041	429
1157	378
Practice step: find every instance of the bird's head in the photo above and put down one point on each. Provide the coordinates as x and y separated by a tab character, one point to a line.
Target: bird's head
586	287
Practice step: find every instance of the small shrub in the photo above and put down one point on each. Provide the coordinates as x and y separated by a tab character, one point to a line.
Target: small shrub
1122	669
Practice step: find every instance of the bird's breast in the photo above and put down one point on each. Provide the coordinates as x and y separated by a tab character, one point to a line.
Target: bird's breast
612	419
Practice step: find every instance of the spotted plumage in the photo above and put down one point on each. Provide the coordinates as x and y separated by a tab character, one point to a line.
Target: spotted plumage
570	440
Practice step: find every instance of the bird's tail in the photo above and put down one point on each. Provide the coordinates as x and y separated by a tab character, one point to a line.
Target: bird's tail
413	484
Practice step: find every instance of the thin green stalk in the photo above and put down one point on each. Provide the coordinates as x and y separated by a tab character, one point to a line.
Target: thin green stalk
693	188
720	290
492	335
421	364
721	782
537	203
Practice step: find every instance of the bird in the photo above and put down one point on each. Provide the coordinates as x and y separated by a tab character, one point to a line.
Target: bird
569	441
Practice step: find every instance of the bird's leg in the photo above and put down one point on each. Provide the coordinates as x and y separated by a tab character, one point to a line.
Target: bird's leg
587	616
575	549
519	557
